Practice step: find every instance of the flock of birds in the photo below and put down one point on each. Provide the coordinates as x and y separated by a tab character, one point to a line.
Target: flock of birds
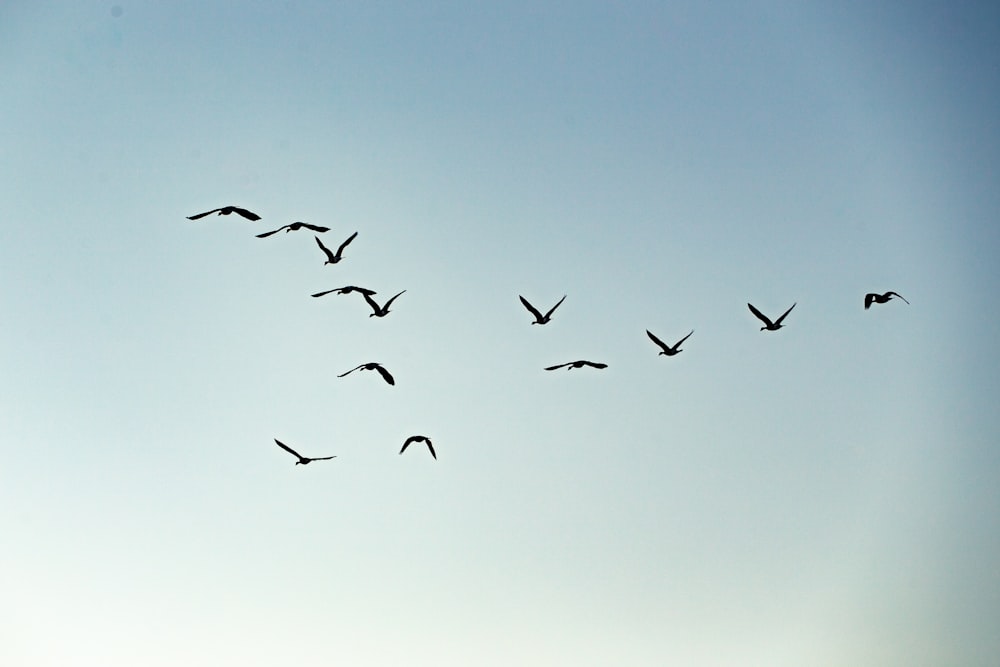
539	318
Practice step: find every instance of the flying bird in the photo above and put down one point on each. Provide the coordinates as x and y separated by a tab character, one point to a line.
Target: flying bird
347	290
379	311
330	257
666	349
293	227
881	298
539	318
419	438
577	364
226	210
303	460
372	366
768	324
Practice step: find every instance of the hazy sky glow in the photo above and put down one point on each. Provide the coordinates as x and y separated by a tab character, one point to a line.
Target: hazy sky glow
823	495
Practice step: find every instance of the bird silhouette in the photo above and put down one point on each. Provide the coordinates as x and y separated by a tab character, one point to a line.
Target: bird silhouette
330	257
303	460
768	324
346	290
293	227
226	210
577	364
419	438
666	349
880	298
379	311
372	366
539	318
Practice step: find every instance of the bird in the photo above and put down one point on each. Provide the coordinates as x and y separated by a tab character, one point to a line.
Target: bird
294	226
577	364
666	349
372	366
346	290
330	257
419	438
303	460
226	210
880	298
379	311
539	318
768	324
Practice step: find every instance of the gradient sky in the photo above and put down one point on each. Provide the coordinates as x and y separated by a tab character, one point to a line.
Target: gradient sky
825	495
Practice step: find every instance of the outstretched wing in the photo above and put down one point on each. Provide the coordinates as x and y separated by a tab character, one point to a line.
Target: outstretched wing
778	321
202	215
385	374
287	448
345	243
431	447
656	340
326	251
760	316
266	234
412	438
315	228
553	308
389	302
249	215
371	302
350	371
323	458
678	343
325	293
595	364
552	368
531	309
899	296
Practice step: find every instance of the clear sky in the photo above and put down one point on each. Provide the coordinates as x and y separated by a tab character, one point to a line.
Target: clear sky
823	495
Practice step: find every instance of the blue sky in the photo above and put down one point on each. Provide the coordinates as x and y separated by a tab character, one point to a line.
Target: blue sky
825	494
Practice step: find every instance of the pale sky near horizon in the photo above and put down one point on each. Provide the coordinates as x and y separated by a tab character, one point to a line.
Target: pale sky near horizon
823	495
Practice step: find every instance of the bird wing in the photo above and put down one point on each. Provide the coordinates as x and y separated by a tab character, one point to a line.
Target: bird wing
657	340
385	374
325	293
678	343
351	371
896	295
266	234
412	438
553	308
315	228
760	315
249	215
778	321
202	215
389	302
344	244
552	368
531	309
371	302
868	300
359	290
326	251
288	449
323	458
431	447
595	364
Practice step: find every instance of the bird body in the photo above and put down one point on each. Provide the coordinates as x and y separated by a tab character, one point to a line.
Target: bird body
226	210
379	311
419	438
577	364
871	298
332	258
539	318
667	349
347	289
372	366
768	324
303	460
293	227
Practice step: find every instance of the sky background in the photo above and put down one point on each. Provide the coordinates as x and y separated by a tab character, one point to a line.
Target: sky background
823	495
